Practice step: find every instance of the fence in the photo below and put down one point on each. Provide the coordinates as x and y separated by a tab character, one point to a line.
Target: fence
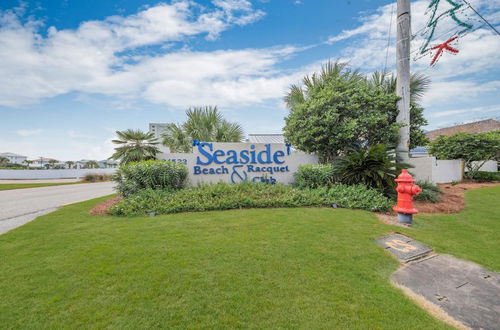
51	174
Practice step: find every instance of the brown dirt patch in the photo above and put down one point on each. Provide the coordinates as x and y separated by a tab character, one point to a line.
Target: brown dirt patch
452	198
103	207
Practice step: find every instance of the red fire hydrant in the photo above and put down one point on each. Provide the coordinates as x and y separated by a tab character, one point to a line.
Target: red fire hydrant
406	190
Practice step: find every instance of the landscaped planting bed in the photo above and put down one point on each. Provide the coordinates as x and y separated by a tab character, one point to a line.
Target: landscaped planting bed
248	195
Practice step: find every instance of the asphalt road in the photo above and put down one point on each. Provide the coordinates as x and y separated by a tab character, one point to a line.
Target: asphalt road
20	206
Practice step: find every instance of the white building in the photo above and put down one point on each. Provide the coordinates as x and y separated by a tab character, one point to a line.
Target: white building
14	158
265	138
157	129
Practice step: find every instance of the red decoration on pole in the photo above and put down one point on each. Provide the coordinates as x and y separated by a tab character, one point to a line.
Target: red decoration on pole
442	47
406	190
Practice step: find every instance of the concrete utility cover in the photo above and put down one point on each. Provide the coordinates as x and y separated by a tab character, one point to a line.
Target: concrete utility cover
404	248
464	290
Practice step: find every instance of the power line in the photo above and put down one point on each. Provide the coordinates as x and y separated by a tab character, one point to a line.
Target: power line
484	19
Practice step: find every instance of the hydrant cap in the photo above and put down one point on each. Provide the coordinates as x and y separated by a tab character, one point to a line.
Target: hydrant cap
405	177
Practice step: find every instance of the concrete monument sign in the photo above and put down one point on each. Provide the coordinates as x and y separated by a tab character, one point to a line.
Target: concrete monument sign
213	162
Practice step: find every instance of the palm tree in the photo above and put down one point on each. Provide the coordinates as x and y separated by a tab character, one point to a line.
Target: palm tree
134	145
70	164
4	160
52	162
91	164
204	124
419	84
28	162
331	70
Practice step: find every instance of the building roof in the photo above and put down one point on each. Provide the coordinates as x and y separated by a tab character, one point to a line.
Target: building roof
482	126
266	138
44	159
10	154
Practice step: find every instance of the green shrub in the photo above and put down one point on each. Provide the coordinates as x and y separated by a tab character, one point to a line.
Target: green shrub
355	197
482	176
373	167
223	196
96	177
150	174
425	185
314	176
430	192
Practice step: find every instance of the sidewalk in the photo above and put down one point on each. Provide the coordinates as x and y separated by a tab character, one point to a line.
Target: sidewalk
41	181
463	290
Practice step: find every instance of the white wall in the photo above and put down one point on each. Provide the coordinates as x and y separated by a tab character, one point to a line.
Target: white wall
436	171
446	171
489	166
51	174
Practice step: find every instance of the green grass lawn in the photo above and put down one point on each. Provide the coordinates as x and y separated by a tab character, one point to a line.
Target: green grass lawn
267	268
10	186
473	234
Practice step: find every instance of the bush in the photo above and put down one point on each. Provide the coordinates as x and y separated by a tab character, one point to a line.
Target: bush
96	177
430	192
355	197
373	167
482	176
224	196
313	176
150	174
473	148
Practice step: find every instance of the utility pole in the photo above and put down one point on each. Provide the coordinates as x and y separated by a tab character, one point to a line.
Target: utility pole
403	77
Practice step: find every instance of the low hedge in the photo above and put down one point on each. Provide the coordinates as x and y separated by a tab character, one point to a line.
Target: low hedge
150	174
314	176
483	176
223	196
430	192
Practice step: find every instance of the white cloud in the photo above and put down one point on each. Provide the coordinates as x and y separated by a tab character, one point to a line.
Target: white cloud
90	58
476	110
28	132
467	78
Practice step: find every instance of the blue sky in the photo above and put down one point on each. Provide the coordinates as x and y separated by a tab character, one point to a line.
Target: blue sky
73	72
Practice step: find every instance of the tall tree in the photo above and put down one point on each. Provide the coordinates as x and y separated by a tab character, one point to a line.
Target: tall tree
28	162
338	109
4	160
70	164
91	164
204	124
419	84
135	145
52	162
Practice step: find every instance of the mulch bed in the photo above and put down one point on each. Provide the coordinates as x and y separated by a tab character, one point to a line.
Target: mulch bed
452	197
103	207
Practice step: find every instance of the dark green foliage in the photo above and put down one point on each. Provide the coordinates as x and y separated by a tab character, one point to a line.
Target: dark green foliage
96	177
355	197
430	192
150	174
482	176
373	167
248	195
314	176
428	196
473	149
203	124
134	146
339	109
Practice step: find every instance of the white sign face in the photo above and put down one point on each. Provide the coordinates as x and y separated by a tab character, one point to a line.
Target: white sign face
213	162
